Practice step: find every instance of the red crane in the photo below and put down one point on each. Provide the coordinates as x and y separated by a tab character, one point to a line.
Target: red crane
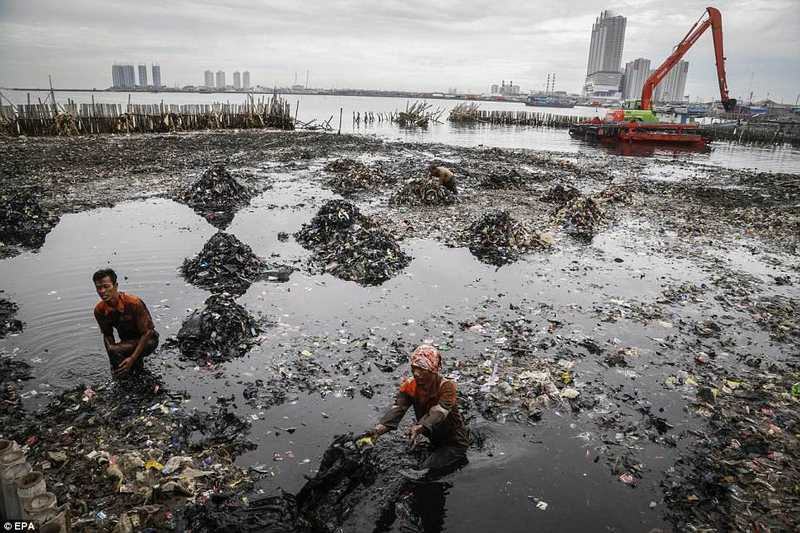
714	20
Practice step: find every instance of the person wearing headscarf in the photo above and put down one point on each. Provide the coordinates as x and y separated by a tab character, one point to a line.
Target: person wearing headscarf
435	403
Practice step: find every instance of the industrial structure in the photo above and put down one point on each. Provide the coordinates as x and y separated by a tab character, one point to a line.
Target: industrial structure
505	90
237	80
246	80
603	74
208	79
220	79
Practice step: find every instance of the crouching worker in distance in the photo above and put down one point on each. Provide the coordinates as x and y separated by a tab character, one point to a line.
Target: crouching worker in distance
436	408
129	316
445	177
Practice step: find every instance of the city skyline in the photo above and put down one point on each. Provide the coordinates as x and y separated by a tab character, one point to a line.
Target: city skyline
389	46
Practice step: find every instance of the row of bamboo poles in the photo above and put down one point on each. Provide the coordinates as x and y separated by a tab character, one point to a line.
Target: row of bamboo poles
51	118
757	133
470	113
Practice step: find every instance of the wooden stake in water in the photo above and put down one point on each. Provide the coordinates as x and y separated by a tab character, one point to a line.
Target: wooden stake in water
341	110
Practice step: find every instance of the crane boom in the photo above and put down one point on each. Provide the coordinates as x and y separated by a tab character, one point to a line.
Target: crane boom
714	20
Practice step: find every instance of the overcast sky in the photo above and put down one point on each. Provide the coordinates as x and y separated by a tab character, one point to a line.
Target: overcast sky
387	44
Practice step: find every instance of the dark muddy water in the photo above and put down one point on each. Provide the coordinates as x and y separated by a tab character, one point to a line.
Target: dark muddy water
560	461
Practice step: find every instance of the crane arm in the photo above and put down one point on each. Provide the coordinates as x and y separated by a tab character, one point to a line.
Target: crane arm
714	21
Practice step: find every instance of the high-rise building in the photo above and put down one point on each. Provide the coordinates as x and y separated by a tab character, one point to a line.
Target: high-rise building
116	76
673	86
156	76
246	80
128	76
209	79
237	80
123	76
220	79
603	75
636	73
142	75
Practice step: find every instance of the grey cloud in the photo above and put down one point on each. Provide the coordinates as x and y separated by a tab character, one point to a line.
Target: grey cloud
410	44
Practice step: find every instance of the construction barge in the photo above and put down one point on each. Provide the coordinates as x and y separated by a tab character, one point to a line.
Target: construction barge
629	132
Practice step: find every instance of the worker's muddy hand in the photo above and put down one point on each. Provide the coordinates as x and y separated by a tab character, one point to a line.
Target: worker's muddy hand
416	434
369	437
124	367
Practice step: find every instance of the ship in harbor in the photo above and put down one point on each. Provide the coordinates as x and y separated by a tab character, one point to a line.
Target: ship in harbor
550	100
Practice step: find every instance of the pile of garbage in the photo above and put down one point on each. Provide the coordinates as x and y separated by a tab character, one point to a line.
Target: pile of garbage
125	455
344	247
216	196
8	324
560	194
334	217
221	331
742	473
423	191
23	220
505	177
582	217
498	239
225	264
621	193
352	176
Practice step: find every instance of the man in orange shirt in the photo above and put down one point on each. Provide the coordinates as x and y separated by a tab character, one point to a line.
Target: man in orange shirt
129	316
435	405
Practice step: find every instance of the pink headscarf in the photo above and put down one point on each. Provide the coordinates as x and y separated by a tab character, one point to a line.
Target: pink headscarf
426	357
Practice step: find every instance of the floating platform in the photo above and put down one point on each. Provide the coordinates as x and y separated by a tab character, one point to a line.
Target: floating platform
630	132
